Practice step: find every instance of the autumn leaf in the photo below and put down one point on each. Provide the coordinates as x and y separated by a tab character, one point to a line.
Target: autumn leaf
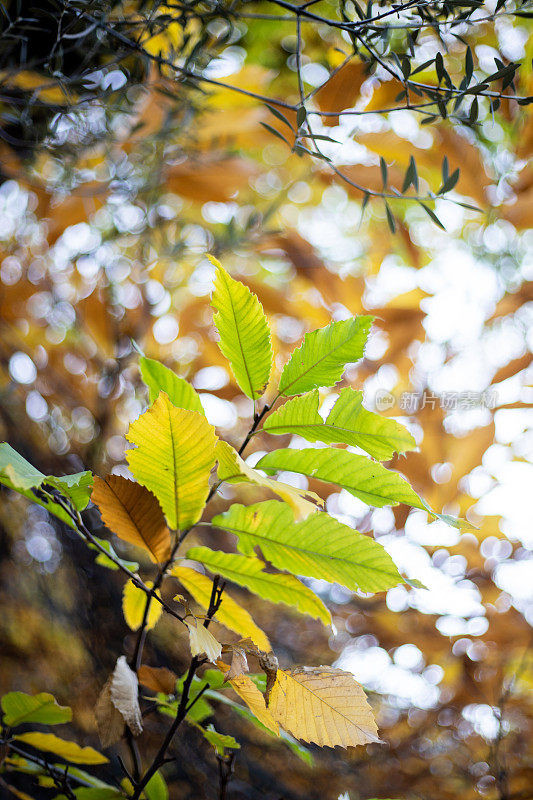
230	614
134	604
133	513
70	751
158	679
246	689
173	457
323	705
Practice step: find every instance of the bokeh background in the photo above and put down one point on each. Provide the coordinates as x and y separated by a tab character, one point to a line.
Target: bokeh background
115	182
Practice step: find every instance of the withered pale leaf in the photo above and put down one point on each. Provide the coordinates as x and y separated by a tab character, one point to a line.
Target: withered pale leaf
239	664
124	690
323	705
109	721
202	641
118	705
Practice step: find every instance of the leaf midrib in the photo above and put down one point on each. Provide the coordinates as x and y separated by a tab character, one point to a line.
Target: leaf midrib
252	392
237	532
321	700
327	355
327	424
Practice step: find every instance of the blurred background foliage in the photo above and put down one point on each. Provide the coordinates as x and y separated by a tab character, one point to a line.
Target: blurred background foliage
124	160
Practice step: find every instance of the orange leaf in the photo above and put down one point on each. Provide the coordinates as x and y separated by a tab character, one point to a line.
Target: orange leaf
133	513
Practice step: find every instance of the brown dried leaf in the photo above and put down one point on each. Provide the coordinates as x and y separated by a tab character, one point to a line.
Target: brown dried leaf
158	679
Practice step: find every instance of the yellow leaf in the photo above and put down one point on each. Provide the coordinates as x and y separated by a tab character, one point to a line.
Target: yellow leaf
134	603
173	458
133	513
233	469
323	705
248	691
230	614
70	751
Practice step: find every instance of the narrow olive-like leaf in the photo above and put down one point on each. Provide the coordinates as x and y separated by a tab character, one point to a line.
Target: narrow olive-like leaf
368	480
174	455
277	113
276	133
247	571
390	218
159	378
321	358
19	708
230	614
233	469
318	547
384	171
70	751
431	214
449	183
133	513
323	705
347	423
244	332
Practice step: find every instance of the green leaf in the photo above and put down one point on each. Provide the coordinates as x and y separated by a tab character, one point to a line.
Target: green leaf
244	332
18	474
104	561
368	480
219	741
247	571
347	423
173	458
19	708
321	358
70	751
159	378
156	788
318	547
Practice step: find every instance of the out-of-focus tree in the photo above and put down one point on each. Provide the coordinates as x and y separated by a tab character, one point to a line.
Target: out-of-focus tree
137	137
